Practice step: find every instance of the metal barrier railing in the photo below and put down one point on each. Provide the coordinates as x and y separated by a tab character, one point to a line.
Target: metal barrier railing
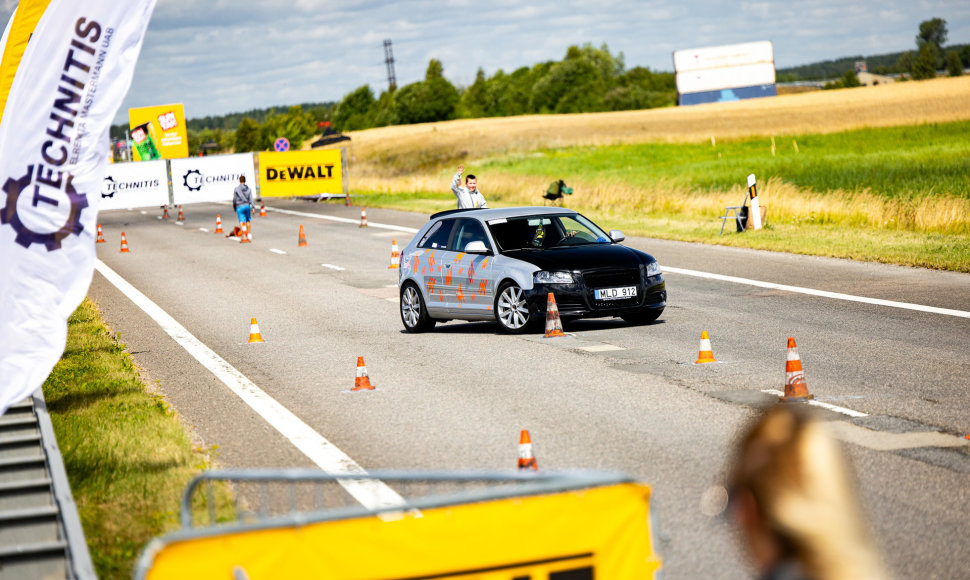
261	496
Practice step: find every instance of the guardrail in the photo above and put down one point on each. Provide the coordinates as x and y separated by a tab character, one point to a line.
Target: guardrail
40	530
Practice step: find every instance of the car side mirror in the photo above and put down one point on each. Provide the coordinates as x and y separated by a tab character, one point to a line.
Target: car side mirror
476	247
617	235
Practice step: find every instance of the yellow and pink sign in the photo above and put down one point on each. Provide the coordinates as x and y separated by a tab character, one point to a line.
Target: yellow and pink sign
158	132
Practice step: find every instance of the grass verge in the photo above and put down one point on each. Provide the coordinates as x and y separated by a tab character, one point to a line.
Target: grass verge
897	195
127	456
918	249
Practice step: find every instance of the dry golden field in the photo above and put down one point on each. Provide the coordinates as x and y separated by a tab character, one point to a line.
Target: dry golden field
404	150
408	167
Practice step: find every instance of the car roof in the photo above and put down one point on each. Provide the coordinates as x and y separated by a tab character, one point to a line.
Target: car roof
485	214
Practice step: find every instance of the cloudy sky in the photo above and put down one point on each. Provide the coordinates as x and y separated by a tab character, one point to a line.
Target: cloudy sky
221	56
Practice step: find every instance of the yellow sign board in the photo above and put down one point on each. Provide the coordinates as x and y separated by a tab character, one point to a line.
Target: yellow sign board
158	132
601	532
301	173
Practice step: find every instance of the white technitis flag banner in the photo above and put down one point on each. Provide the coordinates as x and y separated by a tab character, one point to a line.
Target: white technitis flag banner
73	76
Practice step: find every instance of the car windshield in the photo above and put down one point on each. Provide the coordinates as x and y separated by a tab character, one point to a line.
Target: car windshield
541	232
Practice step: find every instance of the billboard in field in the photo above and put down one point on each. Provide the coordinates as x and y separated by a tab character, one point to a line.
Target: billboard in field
212	178
725	73
128	185
158	132
301	173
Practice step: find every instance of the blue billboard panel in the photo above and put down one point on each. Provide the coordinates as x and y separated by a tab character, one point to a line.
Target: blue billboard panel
725	95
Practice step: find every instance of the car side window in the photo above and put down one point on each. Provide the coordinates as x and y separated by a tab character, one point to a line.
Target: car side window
438	235
469	230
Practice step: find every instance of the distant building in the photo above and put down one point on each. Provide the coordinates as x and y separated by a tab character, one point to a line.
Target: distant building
870	80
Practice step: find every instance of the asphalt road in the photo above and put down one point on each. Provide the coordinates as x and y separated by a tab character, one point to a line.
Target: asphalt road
611	396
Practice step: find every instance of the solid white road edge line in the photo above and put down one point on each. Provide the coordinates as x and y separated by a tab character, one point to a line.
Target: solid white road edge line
699	274
822	293
371	493
370	224
815	403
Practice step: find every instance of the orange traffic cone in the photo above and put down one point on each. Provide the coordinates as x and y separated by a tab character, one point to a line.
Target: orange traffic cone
395	256
100	239
244	237
254	335
302	241
124	244
527	459
363	217
553	324
704	353
796	389
347	200
181	215
165	213
362	383
218	224
262	210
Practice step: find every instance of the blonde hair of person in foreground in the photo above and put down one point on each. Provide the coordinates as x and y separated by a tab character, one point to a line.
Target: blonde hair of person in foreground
793	497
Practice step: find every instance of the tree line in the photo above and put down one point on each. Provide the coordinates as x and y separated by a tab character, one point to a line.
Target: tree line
586	80
928	58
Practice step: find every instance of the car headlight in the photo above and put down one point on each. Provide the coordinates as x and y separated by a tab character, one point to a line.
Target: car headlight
543	277
653	269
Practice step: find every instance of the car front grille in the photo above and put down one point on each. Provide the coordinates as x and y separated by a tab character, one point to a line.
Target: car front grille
612	278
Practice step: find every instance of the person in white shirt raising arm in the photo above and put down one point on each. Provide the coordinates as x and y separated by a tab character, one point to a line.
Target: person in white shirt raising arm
468	197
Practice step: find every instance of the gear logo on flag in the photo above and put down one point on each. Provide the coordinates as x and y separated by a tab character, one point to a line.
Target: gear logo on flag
109	184
192	180
64	186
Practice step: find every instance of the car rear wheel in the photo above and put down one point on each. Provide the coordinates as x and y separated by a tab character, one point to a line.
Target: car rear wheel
511	309
414	314
645	317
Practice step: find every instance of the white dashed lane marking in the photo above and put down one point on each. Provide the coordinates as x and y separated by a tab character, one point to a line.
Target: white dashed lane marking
332	267
815	403
275	251
601	348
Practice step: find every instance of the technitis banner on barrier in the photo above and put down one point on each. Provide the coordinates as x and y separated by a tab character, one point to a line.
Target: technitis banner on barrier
204	179
301	173
68	86
128	185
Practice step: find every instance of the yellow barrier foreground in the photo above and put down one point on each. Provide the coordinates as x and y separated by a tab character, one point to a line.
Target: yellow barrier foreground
598	532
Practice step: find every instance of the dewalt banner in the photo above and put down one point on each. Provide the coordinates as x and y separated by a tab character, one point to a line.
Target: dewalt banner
158	132
301	173
601	532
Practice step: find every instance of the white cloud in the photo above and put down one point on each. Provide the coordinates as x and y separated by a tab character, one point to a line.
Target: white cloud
221	56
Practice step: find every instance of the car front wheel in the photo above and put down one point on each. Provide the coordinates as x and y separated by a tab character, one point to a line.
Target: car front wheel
414	314
511	309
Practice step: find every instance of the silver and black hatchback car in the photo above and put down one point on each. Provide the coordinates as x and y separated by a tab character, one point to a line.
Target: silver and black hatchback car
501	264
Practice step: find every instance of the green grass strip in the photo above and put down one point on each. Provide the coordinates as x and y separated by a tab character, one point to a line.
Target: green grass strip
127	456
896	162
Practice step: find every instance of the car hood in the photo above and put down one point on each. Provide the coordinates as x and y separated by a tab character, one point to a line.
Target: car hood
587	257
